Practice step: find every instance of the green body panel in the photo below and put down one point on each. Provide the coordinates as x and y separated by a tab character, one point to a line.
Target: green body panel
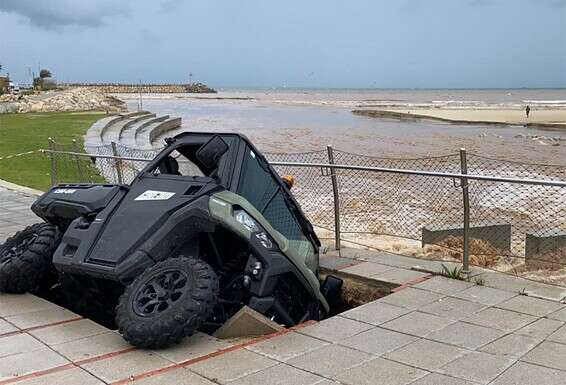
221	206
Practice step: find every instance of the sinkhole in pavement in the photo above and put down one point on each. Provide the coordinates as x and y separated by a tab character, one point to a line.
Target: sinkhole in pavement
98	303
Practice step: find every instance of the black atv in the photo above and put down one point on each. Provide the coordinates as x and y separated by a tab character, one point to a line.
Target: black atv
205	228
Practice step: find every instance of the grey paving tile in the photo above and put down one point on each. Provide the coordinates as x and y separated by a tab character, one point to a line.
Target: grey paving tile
500	319
126	365
70	331
425	354
18	365
513	345
559	335
333	262
485	295
440	379
417	323
41	317
380	371
72	376
466	335
410	298
550	354
375	312
444	285
12	304
329	360
279	375
175	377
6	327
18	343
92	346
378	341
526	374
530	305
366	269
399	276
335	329
559	315
452	308
287	346
478	367
231	366
198	345
540	329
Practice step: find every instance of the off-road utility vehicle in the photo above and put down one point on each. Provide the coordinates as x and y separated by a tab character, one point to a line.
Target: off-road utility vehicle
205	228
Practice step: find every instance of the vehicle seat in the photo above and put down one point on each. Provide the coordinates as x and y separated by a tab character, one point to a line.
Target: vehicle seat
169	165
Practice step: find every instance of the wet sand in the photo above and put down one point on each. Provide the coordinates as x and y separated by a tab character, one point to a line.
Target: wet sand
546	118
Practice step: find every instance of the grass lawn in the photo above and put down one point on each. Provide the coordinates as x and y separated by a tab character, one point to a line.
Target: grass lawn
26	132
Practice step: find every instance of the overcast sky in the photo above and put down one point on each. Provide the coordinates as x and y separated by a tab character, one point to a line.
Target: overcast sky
299	43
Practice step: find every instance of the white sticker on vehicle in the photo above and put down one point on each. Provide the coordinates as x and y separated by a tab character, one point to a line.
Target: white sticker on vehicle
152	195
252	154
64	191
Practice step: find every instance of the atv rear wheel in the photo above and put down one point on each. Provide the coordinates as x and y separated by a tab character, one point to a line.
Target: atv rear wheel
167	302
25	258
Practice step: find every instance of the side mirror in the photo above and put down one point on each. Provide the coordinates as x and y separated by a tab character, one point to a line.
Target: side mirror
209	154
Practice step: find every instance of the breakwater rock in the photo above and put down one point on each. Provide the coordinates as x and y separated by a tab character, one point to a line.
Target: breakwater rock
116	88
72	99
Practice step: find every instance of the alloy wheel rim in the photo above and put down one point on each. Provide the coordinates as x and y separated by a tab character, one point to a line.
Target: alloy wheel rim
160	293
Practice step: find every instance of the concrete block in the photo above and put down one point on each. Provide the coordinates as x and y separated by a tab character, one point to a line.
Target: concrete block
19	343
179	376
485	295
366	269
232	366
247	323
559	315
466	335
527	374
13	304
425	354
378	341
540	329
513	345
197	345
72	376
375	313
70	331
531	305
41	317
549	354
380	371
335	329
279	375
6	327
478	367
411	299
92	346
444	285
544	248
500	319
452	308
417	324
24	363
498	235
440	379
399	276
329	360
559	335
125	365
287	346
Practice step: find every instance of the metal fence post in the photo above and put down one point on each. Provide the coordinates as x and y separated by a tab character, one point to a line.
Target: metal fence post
78	161
118	163
466	200
51	146
336	198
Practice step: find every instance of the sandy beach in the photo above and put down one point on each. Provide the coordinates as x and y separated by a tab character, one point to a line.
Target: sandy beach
546	118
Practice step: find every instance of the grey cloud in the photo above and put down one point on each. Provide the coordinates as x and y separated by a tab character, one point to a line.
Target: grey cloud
55	14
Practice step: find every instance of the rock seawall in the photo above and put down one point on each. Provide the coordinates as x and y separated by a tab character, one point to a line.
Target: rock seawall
111	88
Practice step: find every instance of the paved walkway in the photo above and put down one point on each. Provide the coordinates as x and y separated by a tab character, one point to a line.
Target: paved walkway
430	331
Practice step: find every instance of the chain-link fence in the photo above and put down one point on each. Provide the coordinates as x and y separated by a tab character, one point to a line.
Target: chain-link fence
506	221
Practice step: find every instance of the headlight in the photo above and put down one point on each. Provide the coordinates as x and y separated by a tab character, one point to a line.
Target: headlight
245	219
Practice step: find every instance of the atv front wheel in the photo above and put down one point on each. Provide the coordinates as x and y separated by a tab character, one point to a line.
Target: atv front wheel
25	258
167	302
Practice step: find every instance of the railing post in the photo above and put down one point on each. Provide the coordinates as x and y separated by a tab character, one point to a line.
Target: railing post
336	198
466	200
118	163
51	146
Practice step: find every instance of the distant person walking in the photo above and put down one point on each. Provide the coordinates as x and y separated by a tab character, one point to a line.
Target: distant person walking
528	111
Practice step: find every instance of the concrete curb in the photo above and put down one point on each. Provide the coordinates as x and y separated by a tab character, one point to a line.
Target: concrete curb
20	189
